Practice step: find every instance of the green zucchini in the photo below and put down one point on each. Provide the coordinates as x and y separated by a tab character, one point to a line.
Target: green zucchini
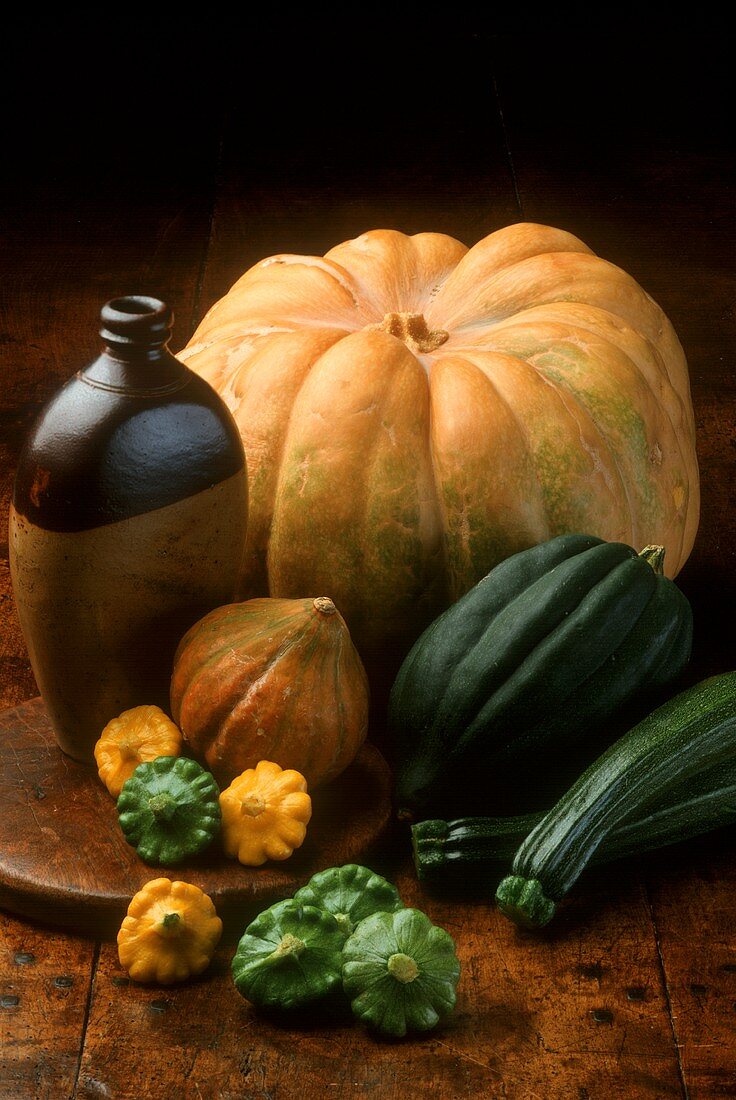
687	735
508	693
471	851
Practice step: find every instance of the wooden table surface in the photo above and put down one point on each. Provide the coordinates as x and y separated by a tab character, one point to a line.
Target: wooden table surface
161	166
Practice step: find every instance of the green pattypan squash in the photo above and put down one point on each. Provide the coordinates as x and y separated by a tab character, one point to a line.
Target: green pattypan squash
169	810
400	972
351	893
289	955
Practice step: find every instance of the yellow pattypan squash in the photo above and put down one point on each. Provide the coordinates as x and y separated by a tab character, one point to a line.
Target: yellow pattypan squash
170	933
265	812
135	736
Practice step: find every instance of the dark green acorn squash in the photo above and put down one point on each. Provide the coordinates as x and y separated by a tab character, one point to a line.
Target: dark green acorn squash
507	695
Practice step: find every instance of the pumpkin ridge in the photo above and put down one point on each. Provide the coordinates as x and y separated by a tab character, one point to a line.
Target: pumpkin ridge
559	393
439	280
389	266
372	456
258	632
465	563
619	324
524	435
590	326
440	502
647	384
567	242
341	703
283	447
614	457
578	278
316	751
310	640
593	331
330	267
674	552
212	735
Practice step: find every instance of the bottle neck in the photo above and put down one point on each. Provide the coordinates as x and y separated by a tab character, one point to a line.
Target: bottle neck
136	331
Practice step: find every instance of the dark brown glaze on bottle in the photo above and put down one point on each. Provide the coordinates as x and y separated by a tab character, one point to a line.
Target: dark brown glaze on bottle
127	524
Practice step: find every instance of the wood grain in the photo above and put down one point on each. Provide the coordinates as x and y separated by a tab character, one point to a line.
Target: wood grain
691	890
64	860
45	983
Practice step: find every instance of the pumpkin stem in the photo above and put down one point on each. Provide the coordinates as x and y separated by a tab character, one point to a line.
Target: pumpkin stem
413	330
403	968
325	605
655	556
162	806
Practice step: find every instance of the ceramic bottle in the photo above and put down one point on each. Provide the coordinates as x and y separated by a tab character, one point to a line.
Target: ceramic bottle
127	524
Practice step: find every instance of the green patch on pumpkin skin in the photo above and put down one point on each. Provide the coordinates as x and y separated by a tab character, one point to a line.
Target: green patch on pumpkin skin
612	412
474	539
562	472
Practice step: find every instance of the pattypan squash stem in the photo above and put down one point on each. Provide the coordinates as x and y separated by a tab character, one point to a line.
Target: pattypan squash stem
252	806
171	925
290	945
344	923
162	806
403	968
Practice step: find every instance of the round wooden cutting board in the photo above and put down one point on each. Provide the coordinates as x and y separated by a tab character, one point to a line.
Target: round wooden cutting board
64	862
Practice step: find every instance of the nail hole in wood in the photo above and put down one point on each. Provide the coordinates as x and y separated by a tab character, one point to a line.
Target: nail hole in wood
9	1000
24	958
159	1006
602	1015
635	993
698	990
64	982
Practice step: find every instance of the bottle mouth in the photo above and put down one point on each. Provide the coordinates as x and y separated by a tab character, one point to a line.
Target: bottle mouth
136	321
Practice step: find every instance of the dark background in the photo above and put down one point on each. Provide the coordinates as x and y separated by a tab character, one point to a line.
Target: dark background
134	107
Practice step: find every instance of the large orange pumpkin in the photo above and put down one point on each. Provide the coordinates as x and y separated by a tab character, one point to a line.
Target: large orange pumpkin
413	412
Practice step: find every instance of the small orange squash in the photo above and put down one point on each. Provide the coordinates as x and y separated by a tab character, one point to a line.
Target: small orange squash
265	813
134	737
170	932
271	679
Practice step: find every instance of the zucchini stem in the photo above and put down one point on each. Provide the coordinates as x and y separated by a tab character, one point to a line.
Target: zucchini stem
523	900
